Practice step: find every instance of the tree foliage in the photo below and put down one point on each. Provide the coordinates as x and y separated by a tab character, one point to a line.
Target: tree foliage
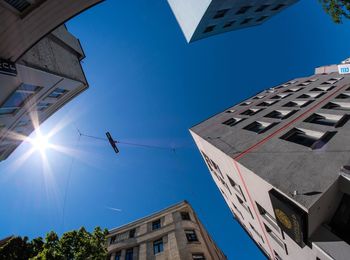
77	245
337	9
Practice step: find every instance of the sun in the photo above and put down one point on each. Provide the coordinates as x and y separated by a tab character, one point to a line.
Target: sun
40	142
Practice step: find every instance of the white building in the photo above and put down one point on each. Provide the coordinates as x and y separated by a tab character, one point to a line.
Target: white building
199	19
281	160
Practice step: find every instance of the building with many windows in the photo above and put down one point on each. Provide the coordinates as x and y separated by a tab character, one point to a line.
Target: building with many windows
43	80
40	67
25	22
174	233
199	19
281	161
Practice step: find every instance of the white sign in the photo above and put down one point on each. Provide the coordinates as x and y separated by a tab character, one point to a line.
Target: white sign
344	69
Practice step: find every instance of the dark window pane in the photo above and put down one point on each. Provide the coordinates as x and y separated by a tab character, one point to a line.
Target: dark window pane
221	13
156	224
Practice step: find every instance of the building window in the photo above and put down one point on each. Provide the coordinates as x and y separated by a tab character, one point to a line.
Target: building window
41	106
156	224
332	81
185	215
198	256
258	97
221	13
210	28
298	103
251	111
229	24
280	96
19	5
267	217
259	127
328	120
256	232
321	88
281	114
112	240
267	103
292	90
343	96
158	246
18	98
262	18
57	93
311	95
312	139
261	8
129	254
277	256
230	111
245	206
132	233
191	235
246	20
236	187
278	7
21	123
246	103
274	236
118	256
233	121
243	9
337	106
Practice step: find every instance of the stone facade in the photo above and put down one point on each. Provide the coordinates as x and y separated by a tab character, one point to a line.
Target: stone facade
174	233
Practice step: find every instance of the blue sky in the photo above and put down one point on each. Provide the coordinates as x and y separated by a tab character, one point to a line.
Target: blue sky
147	85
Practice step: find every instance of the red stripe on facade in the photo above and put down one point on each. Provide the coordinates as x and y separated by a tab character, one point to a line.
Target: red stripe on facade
253	205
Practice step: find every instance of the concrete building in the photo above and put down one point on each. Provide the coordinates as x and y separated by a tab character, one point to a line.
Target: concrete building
281	161
199	19
174	233
25	22
43	80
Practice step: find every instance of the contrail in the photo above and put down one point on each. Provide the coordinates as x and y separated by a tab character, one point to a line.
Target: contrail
114	209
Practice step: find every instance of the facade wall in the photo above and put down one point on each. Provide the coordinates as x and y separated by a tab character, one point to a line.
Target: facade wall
48	66
200	19
172	233
20	30
259	160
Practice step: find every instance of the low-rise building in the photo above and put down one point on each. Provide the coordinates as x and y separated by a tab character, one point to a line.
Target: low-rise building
174	233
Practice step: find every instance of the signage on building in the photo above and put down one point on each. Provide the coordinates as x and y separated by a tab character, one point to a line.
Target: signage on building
290	218
344	68
8	67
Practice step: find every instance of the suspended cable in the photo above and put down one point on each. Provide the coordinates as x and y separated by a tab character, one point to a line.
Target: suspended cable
110	139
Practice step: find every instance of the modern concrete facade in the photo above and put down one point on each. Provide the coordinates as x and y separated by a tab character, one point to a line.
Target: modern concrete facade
199	19
281	160
43	80
25	22
174	233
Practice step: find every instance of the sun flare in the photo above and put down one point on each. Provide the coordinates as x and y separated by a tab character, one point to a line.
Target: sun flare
40	142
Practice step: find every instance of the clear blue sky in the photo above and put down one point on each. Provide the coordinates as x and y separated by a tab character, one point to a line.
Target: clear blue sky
148	85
